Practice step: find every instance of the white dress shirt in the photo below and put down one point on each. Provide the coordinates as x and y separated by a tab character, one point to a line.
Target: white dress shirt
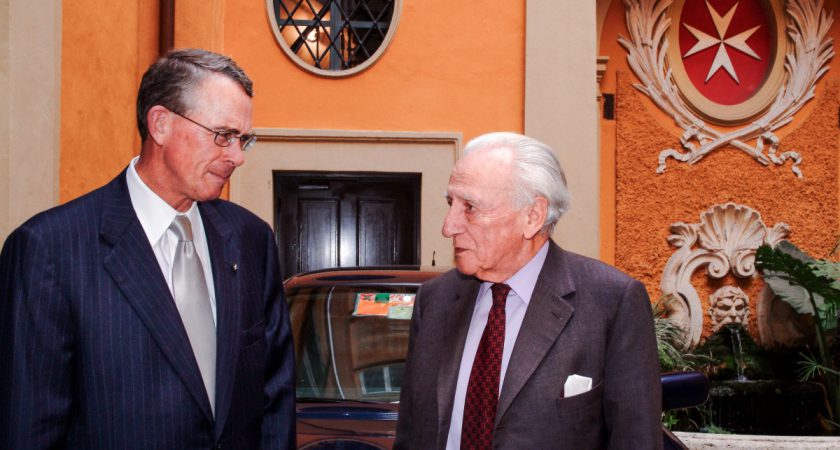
521	287
155	216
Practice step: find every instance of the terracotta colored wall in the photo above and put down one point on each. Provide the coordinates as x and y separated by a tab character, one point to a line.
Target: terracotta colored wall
644	204
106	46
647	204
452	66
442	72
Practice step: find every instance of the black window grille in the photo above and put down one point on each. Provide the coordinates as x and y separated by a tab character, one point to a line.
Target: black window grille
334	34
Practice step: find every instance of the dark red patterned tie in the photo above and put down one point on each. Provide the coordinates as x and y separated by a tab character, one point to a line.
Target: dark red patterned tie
483	388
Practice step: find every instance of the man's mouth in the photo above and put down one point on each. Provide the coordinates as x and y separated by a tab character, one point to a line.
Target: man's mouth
224	176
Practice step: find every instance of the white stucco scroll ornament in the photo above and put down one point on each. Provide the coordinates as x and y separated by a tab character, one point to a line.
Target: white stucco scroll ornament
805	61
723	242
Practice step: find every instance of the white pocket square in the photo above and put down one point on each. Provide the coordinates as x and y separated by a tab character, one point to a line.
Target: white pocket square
576	385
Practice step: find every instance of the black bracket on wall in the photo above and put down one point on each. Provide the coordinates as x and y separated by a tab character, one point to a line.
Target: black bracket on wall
609	106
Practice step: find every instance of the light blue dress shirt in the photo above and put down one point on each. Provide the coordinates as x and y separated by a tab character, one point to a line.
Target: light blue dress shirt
521	287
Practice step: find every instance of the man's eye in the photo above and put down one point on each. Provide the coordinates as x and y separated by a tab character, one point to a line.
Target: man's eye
226	135
469	207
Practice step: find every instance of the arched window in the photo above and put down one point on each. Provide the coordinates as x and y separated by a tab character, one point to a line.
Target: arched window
334	37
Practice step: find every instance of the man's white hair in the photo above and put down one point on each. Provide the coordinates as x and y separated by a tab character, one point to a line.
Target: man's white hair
537	172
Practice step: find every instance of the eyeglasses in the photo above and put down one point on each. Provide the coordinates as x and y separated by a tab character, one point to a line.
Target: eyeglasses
225	138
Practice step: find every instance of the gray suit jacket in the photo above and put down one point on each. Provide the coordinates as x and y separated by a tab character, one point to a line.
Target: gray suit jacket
584	318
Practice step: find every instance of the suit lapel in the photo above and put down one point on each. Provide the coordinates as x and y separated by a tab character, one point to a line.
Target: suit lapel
223	255
135	270
453	335
544	320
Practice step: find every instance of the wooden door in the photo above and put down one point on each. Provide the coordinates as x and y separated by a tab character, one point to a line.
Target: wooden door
326	219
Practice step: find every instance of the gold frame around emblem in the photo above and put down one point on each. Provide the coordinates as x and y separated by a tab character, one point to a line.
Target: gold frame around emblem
729	115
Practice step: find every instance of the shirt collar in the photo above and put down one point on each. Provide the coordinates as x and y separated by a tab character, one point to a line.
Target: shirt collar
154	214
522	283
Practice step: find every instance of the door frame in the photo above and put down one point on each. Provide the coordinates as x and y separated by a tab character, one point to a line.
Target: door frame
414	179
433	154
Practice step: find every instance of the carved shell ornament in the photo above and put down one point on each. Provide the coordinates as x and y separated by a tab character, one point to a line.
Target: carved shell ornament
787	82
724	241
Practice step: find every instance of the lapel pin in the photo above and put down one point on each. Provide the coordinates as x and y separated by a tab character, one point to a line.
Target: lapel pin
235	267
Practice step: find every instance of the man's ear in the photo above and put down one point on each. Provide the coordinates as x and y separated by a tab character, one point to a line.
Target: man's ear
158	120
536	215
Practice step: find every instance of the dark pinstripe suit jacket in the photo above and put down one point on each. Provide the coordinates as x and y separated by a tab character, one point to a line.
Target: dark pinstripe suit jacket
584	318
93	354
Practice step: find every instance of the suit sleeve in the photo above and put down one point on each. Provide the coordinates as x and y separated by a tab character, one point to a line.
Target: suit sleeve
632	395
36	346
279	418
405	419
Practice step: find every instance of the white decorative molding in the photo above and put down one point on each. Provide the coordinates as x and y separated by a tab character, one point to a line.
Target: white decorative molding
779	325
805	62
728	305
724	241
600	70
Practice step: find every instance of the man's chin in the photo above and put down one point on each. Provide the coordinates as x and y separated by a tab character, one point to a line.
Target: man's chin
466	269
209	195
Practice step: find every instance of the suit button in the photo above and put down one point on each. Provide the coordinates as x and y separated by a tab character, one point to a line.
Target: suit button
219	446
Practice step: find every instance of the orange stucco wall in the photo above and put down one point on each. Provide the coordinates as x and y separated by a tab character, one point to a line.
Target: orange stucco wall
105	48
637	213
442	72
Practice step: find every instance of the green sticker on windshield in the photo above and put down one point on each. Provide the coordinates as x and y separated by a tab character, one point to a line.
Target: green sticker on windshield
391	305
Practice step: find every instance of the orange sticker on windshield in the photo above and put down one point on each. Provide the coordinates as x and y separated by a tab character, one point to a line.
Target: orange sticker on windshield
371	304
392	306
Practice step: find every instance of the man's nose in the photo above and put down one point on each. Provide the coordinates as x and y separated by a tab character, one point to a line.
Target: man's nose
237	156
453	223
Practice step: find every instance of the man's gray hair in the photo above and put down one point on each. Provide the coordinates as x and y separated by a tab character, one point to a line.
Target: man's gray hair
537	172
170	80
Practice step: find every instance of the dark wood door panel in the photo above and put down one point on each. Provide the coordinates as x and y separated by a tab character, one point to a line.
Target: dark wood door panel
318	233
346	219
377	225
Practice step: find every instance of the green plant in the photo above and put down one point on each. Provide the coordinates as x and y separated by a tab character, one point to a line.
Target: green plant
670	340
811	287
679	420
707	418
809	368
697	419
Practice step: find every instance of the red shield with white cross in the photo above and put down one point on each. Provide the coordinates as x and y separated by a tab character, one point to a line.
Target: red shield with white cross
725	52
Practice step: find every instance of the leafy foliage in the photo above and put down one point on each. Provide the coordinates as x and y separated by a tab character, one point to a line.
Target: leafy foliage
828	269
810	368
671	344
802	282
810	287
670	340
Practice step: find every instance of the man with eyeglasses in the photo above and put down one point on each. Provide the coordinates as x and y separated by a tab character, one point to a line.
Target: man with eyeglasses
149	313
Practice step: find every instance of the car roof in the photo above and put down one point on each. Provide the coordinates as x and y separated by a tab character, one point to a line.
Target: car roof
354	276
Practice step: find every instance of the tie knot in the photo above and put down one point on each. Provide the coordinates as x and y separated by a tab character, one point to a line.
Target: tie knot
182	228
500	293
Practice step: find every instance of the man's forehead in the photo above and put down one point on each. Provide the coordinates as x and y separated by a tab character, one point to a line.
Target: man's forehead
482	189
225	103
486	168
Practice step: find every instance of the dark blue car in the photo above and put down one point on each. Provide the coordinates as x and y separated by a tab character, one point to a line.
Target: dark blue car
351	336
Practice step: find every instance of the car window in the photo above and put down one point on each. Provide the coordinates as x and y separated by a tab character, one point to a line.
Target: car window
350	341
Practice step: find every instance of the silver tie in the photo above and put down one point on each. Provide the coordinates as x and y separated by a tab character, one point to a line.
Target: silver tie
193	302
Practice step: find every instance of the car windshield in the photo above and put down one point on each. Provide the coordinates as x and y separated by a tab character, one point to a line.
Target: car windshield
350	341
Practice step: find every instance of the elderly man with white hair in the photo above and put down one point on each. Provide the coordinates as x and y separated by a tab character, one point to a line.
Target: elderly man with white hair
525	345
